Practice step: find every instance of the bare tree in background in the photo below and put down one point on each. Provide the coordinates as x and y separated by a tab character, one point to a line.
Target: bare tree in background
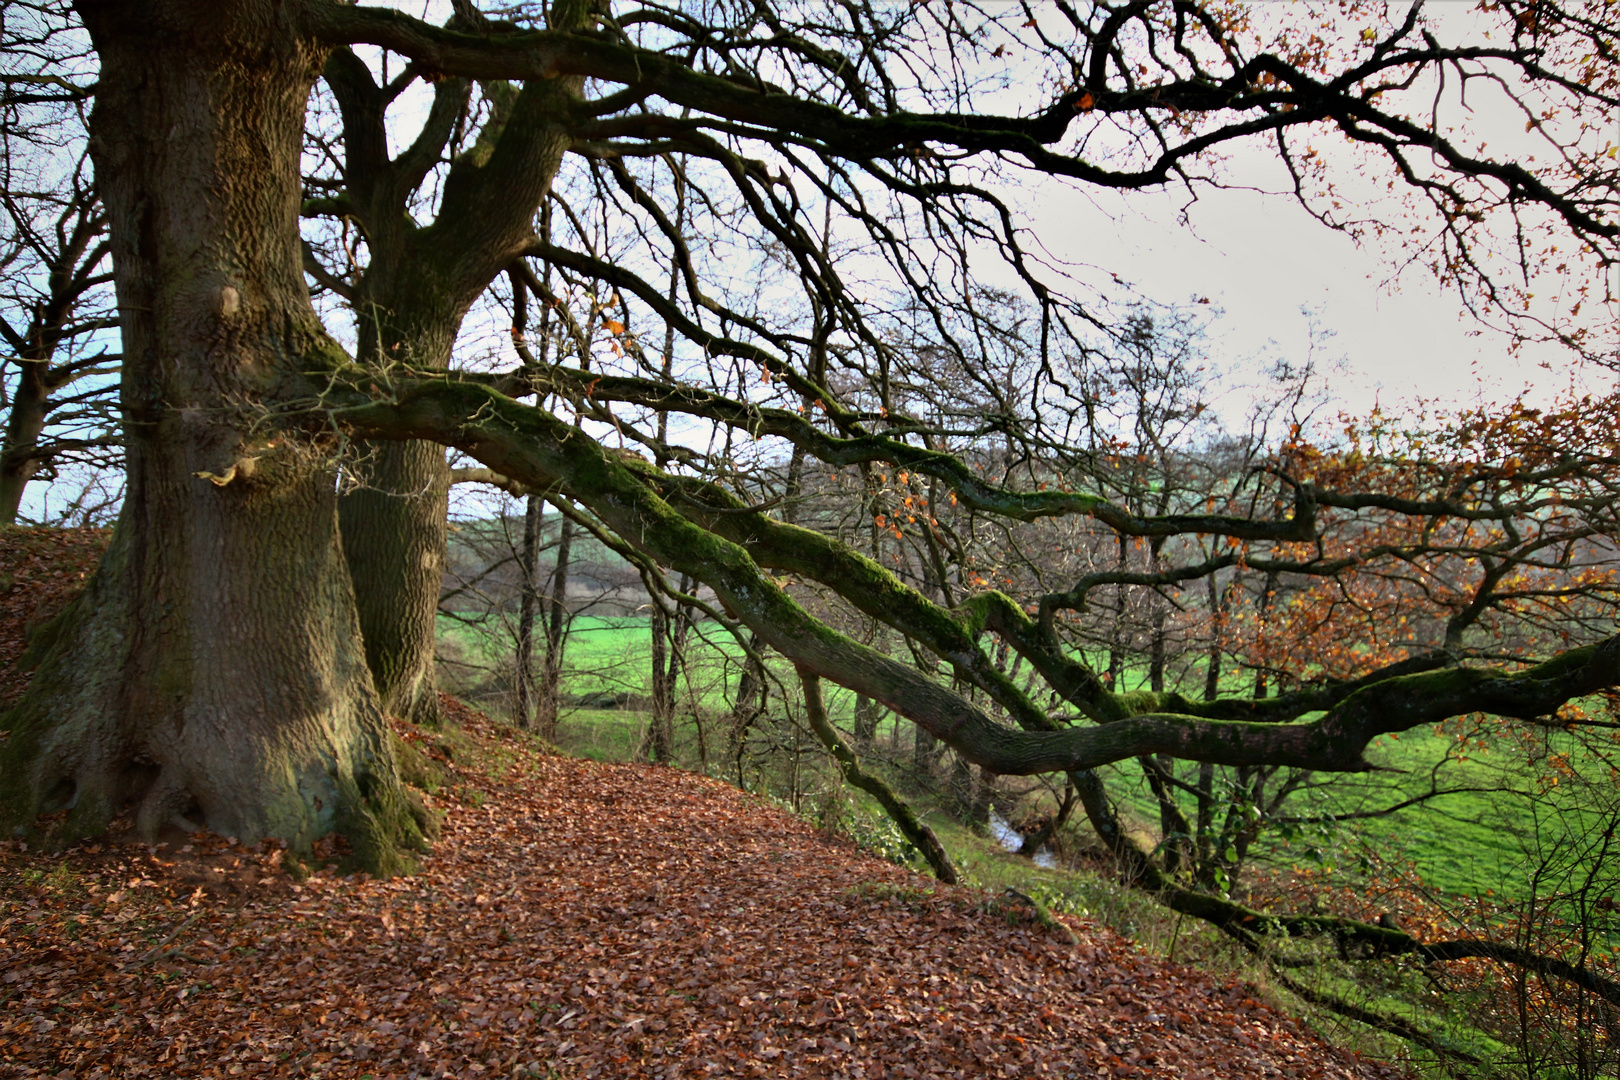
58	371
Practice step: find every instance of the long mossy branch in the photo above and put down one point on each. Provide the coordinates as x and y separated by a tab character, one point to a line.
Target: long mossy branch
974	491
534	447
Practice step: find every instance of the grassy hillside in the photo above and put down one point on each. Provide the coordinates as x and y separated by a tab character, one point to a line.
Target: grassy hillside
613	654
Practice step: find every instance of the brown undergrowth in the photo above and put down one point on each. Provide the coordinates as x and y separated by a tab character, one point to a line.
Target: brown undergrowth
40	571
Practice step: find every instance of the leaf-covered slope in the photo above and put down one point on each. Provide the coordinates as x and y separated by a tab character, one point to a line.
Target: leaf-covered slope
588	919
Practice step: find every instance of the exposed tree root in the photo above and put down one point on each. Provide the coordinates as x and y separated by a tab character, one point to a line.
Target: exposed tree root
122	718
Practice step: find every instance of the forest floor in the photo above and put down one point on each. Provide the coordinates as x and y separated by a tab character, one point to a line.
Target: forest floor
588	919
580	919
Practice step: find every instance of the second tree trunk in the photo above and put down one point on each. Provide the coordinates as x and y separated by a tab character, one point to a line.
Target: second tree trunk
393	537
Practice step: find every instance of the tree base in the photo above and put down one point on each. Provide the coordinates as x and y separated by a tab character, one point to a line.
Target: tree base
122	717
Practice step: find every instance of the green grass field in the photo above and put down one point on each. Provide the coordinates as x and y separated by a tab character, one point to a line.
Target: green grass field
1474	840
604	653
608	654
1469	842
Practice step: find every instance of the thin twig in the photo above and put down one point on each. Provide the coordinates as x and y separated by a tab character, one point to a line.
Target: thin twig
152	953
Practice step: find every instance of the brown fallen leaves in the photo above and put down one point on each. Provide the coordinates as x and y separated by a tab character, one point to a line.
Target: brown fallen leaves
582	920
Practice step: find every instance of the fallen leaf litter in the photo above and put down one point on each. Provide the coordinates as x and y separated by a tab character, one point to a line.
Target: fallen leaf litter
580	920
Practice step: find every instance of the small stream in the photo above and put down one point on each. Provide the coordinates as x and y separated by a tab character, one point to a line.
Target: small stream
1011	839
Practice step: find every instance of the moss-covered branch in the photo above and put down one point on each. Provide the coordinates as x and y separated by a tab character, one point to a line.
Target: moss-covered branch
953	635
533	447
863	447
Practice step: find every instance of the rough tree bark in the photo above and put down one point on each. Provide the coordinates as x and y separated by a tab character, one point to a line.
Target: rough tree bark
213	669
410	302
409	308
394	518
19	460
393	525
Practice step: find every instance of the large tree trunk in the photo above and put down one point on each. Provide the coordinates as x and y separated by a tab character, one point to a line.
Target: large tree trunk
394	536
213	670
394	514
411	300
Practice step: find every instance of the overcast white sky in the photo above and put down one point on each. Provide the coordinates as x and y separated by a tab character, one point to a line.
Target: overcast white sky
1262	258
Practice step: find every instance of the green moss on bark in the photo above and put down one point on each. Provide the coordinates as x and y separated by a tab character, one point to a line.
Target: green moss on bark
415	767
79	743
